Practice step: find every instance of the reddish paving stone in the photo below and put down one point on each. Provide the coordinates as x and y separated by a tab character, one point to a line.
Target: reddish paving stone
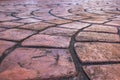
94	36
10	24
15	34
97	19
74	17
37	26
92	51
58	21
115	23
102	28
103	72
28	20
31	63
75	25
5	45
59	31
47	40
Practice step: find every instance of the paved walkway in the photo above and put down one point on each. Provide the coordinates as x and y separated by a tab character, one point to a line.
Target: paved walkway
59	40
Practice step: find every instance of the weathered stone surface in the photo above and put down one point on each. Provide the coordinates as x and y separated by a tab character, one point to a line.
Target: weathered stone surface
115	23
94	36
101	28
5	45
59	31
29	63
28	20
15	34
58	21
37	25
93	51
10	24
47	40
97	19
103	72
75	25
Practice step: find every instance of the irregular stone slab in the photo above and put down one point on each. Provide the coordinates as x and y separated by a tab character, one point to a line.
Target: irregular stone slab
37	26
75	17
31	63
28	20
47	40
94	36
93	51
75	25
15	34
59	31
102	28
115	23
97	19
58	21
10	24
103	72
5	45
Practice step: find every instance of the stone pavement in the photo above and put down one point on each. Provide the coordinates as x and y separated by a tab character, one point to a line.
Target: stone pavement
59	40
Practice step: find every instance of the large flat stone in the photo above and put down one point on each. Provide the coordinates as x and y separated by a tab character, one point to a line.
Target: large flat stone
5	45
37	25
47	40
115	23
15	34
29	63
103	72
93	52
75	25
59	31
10	24
94	36
102	28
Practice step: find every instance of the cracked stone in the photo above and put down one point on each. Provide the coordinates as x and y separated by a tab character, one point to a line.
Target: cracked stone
94	36
31	63
115	23
15	34
103	72
47	40
104	51
101	28
59	31
75	25
4	45
37	26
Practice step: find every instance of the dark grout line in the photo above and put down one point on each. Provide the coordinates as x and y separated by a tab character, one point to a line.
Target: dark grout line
78	63
97	41
100	63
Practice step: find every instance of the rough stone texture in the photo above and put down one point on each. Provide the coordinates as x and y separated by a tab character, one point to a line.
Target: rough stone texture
93	51
29	63
97	19
94	36
59	31
37	25
75	25
59	21
103	72
115	23
10	24
101	28
15	34
5	45
47	40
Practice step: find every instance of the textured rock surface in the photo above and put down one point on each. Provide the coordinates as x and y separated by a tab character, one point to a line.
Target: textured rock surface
59	39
